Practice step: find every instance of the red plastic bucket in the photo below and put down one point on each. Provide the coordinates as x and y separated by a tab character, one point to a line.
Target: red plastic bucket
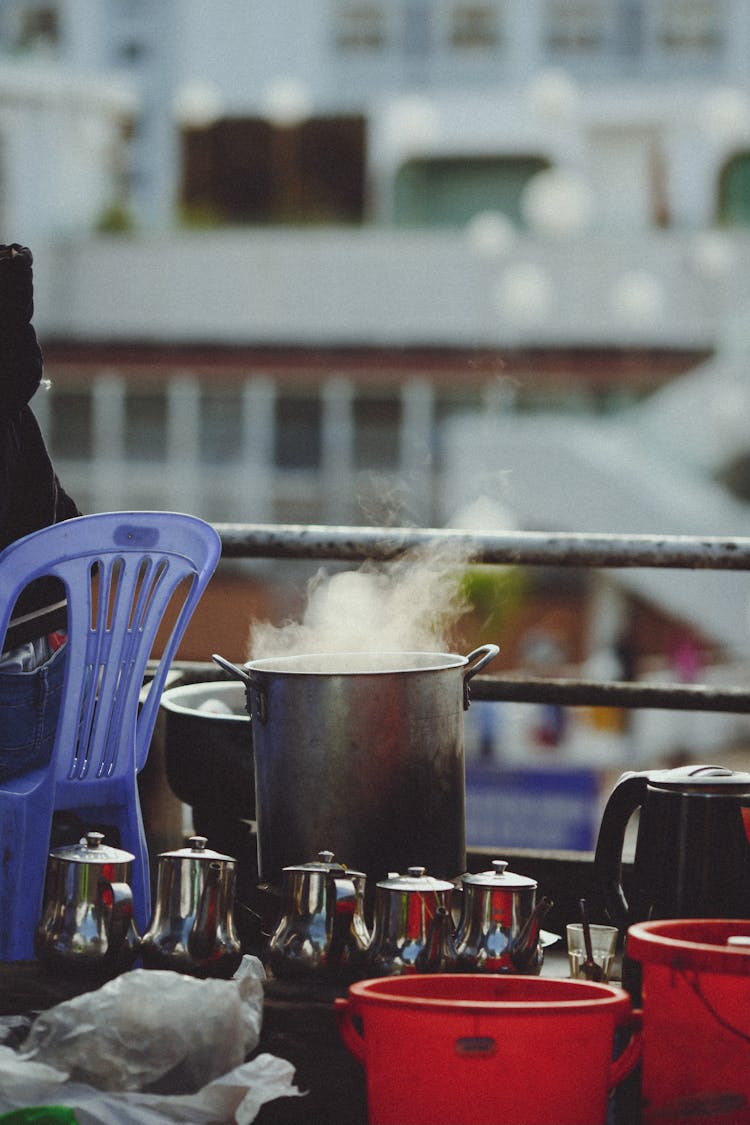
477	1050
696	1020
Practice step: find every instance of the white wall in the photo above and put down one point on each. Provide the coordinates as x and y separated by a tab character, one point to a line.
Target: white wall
386	288
59	137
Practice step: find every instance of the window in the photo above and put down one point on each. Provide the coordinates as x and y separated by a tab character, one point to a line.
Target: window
221	426
734	191
145	426
70	425
131	52
247	171
448	192
37	27
735	476
575	26
692	26
475	26
377	424
359	27
297	434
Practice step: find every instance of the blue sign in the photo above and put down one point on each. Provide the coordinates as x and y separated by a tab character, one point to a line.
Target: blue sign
542	807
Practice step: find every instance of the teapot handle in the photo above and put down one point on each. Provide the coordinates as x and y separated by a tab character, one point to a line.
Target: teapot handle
625	798
342	902
483	655
116	903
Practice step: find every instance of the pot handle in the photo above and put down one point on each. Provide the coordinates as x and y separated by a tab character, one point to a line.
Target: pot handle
483	655
235	672
346	1009
627	1059
250	685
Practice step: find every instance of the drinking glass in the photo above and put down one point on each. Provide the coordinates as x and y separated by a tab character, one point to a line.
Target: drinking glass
603	947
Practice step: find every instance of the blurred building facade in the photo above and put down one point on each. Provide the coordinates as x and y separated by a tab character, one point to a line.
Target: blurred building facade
312	261
402	111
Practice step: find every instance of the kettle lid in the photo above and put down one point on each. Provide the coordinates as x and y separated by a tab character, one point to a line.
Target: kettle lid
90	849
498	877
415	879
197	850
696	777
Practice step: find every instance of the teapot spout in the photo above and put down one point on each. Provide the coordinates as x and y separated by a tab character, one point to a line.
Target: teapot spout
439	952
203	936
212	944
526	951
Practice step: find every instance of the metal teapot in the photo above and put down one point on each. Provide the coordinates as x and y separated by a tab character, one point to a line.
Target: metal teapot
498	931
413	926
87	919
321	926
192	927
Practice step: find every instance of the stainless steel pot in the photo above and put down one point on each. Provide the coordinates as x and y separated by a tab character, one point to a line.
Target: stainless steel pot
363	752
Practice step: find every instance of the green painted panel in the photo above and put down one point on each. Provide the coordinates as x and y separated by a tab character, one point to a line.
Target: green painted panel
734	191
448	192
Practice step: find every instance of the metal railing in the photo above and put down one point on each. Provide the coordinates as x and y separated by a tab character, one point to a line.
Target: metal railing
550	549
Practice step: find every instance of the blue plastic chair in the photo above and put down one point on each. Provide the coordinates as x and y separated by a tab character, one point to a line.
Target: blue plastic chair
128	576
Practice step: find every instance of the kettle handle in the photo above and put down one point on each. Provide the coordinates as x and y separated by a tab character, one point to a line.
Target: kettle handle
625	798
483	655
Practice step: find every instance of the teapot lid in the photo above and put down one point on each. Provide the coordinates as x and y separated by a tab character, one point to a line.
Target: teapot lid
90	849
196	850
688	778
324	862
498	877
415	879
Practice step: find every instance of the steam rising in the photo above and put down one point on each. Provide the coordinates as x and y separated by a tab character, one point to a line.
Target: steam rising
405	606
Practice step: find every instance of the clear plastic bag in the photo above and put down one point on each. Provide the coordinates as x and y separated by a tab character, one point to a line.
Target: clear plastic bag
150	1046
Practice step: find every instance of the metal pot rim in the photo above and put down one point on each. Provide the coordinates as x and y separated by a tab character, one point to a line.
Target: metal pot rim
356	663
182	700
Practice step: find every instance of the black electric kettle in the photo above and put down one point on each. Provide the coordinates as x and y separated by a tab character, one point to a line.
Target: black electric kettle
692	850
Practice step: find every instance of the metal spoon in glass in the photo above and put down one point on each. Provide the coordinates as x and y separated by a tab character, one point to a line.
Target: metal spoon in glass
589	968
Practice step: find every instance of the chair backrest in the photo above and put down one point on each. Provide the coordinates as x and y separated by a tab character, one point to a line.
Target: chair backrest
127	576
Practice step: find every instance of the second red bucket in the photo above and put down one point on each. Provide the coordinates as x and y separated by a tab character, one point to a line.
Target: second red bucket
696	1020
478	1050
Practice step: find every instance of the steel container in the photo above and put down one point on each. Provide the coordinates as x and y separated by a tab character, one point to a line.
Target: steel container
362	753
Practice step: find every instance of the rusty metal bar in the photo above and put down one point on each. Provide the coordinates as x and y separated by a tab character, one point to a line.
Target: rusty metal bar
591	693
529	548
564	549
568	692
